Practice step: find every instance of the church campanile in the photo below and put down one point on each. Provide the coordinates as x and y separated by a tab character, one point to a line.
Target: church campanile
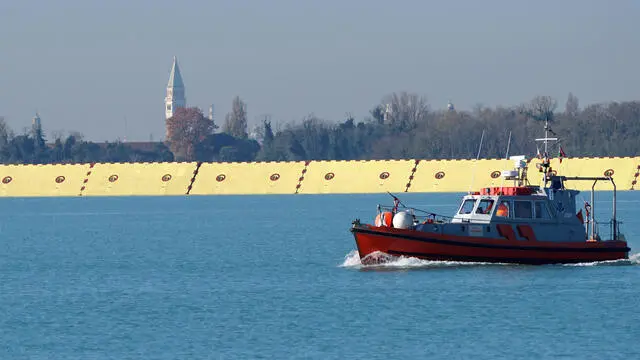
175	91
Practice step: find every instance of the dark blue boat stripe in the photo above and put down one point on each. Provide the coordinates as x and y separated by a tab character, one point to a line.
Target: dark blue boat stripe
528	261
487	246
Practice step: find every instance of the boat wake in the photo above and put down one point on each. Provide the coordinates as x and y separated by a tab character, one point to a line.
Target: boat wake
381	260
386	261
634	259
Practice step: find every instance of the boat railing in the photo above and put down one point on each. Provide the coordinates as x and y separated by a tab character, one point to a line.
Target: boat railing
604	230
591	222
420	216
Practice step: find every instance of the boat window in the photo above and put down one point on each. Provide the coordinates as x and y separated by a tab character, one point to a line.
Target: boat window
467	206
542	211
504	209
485	206
523	209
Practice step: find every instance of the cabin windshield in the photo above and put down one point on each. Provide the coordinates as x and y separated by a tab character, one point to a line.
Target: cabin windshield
467	206
485	206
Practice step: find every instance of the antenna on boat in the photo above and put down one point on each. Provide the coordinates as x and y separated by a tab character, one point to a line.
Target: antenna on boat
506	157
395	198
396	202
546	164
473	174
546	137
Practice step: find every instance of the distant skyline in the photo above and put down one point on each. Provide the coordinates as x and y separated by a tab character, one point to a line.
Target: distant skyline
101	68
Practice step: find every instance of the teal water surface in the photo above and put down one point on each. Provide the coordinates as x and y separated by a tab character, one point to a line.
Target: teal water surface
245	277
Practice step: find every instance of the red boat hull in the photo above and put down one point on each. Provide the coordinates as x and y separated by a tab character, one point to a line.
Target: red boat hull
435	246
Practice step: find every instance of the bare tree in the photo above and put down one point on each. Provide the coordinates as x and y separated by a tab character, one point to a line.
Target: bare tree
406	109
258	132
235	122
5	133
57	135
571	107
77	135
541	108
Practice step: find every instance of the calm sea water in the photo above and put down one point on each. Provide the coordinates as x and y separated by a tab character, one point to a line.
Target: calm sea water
277	277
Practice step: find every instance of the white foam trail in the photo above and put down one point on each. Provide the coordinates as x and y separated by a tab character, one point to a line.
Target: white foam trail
352	260
632	260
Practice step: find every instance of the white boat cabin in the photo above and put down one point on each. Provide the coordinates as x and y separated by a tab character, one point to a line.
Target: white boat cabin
520	204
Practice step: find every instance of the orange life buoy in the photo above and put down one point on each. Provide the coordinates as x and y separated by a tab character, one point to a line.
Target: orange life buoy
384	219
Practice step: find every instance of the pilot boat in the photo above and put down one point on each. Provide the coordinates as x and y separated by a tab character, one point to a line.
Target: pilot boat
522	224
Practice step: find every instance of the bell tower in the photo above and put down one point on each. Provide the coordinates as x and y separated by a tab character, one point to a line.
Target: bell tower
175	91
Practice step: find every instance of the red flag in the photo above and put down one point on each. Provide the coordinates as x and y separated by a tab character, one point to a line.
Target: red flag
561	154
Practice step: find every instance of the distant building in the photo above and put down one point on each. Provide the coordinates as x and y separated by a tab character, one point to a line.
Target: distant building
175	91
450	106
175	97
387	116
36	125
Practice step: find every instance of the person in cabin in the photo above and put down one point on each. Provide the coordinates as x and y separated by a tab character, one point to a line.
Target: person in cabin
489	207
503	209
482	210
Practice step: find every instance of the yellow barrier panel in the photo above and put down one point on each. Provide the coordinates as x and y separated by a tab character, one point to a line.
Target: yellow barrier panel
634	181
42	180
248	178
459	175
622	170
341	177
314	177
114	179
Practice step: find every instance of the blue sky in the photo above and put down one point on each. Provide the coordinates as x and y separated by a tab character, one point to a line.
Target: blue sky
94	66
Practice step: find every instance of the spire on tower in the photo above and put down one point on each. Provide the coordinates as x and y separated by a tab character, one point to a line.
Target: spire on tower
36	127
175	78
175	91
36	122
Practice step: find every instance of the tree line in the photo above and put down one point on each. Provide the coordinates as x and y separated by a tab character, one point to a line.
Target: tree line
402	126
